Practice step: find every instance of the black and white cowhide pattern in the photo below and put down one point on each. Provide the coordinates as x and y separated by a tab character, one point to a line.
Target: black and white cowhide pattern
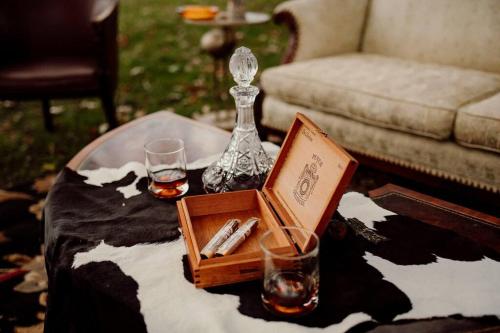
122	252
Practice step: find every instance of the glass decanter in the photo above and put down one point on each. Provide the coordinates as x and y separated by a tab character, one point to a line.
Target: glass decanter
244	164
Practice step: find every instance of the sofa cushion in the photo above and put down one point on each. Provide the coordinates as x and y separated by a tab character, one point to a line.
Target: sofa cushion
389	92
440	158
478	124
464	33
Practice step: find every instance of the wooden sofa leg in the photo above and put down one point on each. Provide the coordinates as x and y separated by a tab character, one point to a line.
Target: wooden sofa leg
47	117
108	105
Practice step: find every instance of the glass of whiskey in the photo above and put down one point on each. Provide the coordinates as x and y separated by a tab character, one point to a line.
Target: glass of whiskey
291	280
166	167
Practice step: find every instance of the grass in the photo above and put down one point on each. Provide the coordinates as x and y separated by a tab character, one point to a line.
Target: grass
161	67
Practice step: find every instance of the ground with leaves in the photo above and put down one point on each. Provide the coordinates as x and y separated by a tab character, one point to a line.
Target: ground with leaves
161	67
23	281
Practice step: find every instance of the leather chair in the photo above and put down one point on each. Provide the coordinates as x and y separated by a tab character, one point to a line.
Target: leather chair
59	49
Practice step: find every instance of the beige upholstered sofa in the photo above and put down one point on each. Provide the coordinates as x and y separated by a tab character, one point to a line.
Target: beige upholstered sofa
410	82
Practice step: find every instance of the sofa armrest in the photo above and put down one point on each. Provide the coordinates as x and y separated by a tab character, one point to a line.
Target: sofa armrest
320	28
102	10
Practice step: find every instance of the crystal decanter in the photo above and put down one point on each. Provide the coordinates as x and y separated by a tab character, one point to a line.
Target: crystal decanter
244	164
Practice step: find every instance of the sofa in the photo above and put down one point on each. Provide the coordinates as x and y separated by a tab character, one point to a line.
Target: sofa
412	83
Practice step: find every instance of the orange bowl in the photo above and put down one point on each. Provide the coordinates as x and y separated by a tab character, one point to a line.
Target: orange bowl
196	12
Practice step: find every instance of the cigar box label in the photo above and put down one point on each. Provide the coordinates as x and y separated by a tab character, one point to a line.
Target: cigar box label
307	180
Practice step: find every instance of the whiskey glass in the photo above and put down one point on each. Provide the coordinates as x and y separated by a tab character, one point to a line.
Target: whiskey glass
166	167
291	281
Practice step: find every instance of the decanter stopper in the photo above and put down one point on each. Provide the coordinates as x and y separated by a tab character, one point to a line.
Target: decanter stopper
243	66
244	164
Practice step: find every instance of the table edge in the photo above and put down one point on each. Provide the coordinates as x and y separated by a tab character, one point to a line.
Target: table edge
78	159
429	200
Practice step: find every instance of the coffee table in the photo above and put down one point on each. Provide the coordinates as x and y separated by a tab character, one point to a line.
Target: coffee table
93	298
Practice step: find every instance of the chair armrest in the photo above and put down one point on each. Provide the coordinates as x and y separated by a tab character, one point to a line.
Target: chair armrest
105	25
102	10
320	28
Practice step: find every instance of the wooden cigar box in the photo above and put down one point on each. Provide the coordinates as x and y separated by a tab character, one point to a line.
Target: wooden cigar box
303	189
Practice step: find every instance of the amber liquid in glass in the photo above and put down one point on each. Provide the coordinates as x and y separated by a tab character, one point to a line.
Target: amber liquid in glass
168	183
290	293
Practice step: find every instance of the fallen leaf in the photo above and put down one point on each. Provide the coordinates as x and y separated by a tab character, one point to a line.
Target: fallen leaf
40	315
42	299
17	258
36	279
178	88
272	48
174	96
139	113
239	35
9	104
205	108
17	117
30	287
199	82
36	263
202	93
103	128
7	195
124	109
44	184
137	70
89	105
146	85
3	238
37	328
49	166
56	109
33	276
37	209
196	61
173	68
122	40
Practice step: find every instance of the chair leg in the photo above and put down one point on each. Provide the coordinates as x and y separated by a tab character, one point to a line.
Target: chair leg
108	105
47	117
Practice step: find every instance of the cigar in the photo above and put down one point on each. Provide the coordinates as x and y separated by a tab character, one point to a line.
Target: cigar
238	237
224	233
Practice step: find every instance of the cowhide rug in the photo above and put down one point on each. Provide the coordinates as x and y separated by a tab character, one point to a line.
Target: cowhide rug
116	263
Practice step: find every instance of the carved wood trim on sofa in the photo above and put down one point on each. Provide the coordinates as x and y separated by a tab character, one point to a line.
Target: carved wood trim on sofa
286	18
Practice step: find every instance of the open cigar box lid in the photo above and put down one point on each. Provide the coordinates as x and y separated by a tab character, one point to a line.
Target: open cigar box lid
308	178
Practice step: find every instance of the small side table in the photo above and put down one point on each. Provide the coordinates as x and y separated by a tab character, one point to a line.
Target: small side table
220	41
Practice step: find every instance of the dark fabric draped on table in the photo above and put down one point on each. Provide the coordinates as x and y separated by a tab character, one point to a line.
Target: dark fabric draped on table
99	297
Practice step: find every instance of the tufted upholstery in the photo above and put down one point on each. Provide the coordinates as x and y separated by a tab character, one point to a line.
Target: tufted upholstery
463	33
382	91
478	125
444	159
326	27
411	82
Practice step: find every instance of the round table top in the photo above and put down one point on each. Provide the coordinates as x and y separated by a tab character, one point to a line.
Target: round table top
126	143
251	18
